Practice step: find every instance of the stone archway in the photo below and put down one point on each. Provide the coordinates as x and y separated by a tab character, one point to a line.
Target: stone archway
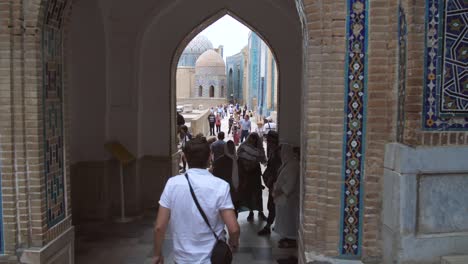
137	118
287	53
138	43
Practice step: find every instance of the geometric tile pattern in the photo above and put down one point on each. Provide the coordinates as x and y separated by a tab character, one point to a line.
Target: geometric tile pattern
53	111
446	55
194	49
354	136
402	66
454	82
254	70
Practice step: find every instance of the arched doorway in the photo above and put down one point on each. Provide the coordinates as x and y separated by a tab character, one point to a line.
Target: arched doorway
286	52
231	87
139	117
200	91
212	91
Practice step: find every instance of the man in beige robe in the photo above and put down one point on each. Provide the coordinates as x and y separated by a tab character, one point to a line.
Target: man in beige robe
286	194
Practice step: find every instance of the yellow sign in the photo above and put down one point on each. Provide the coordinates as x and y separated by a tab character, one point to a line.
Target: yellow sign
119	152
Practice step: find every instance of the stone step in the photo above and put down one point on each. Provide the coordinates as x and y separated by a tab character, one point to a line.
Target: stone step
460	259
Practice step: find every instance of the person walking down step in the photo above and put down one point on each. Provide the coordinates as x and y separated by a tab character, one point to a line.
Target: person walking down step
217	148
286	195
211	122
193	240
230	123
251	154
226	168
269	177
218	123
246	127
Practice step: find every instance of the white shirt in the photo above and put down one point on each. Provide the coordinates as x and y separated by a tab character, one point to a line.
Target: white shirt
269	126
192	238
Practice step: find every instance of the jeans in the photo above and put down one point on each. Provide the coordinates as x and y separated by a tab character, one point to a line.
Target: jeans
212	131
244	135
218	128
271	208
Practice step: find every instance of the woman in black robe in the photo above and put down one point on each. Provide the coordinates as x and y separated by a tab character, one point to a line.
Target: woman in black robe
250	155
225	167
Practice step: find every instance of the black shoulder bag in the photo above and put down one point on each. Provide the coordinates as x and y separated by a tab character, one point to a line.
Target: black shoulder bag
221	253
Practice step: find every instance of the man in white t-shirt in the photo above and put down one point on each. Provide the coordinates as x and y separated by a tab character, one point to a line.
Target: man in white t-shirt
269	126
192	238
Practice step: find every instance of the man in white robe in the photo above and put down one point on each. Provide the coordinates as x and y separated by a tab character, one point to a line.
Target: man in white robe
286	194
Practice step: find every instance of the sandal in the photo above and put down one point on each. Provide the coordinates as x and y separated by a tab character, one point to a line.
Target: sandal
287	243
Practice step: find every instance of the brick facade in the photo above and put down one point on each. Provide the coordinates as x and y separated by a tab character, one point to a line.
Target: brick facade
324	125
21	120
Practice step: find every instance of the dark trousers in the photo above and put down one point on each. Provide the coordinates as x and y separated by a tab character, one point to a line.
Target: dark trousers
212	132
229	131
218	128
244	135
271	208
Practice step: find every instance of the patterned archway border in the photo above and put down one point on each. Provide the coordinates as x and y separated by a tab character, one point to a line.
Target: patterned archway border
354	128
52	62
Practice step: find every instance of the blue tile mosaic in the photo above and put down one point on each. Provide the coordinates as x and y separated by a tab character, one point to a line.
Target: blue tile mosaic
354	136
254	69
53	111
234	73
446	69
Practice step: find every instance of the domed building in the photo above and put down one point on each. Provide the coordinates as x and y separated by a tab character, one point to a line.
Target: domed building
186	66
201	73
210	75
193	50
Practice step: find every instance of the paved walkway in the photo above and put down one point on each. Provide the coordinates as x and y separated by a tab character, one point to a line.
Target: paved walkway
132	243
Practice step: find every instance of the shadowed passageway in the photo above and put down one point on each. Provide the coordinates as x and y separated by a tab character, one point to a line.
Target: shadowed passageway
133	243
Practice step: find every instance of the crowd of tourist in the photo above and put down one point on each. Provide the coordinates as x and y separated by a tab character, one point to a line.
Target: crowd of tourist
228	178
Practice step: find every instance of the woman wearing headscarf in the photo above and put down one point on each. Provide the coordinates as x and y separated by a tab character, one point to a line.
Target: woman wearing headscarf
225	167
251	154
286	195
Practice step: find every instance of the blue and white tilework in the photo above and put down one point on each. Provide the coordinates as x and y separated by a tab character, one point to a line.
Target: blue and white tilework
354	136
53	111
446	66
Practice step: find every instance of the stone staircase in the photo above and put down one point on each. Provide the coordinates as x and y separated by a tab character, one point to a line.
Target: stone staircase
461	259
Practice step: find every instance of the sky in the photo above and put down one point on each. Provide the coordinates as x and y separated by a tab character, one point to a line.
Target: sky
230	33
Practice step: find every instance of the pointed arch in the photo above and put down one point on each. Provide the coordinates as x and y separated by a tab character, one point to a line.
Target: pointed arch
272	26
212	91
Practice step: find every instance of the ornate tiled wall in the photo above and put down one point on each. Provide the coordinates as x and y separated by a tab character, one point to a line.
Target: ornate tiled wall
355	128
206	81
254	71
53	111
402	68
446	67
235	82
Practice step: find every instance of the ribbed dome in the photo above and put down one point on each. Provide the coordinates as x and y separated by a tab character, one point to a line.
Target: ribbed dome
193	50
199	44
210	58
